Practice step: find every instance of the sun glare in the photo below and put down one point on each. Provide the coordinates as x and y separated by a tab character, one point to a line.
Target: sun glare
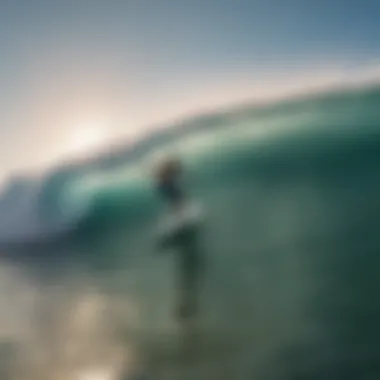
86	139
101	374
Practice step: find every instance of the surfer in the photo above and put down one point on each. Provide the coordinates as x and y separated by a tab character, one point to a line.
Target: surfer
170	189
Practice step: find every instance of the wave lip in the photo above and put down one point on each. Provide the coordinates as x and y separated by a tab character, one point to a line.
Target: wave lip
21	220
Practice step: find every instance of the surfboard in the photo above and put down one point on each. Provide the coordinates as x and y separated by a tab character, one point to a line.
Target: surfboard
175	225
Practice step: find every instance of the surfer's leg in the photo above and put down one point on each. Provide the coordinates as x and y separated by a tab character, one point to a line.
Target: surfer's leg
189	275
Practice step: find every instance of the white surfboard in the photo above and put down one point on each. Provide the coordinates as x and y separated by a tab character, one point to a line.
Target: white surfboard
189	216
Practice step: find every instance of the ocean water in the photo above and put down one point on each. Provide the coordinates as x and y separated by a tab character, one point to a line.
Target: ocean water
290	241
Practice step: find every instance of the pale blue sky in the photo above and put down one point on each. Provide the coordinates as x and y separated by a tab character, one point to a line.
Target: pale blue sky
109	67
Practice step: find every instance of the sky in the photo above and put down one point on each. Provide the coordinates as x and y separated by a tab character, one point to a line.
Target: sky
78	73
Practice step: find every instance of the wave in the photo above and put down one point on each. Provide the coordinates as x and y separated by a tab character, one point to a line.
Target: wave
33	210
315	134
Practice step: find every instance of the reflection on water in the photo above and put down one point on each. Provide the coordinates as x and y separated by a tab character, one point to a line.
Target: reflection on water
63	330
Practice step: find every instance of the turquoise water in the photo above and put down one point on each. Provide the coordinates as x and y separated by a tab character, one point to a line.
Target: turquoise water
290	241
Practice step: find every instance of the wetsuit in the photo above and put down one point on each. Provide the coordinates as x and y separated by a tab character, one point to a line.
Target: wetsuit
171	191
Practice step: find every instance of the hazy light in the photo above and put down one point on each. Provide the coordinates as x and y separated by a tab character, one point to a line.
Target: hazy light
85	139
97	374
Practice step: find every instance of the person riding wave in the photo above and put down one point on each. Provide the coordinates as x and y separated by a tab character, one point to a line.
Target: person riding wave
170	188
